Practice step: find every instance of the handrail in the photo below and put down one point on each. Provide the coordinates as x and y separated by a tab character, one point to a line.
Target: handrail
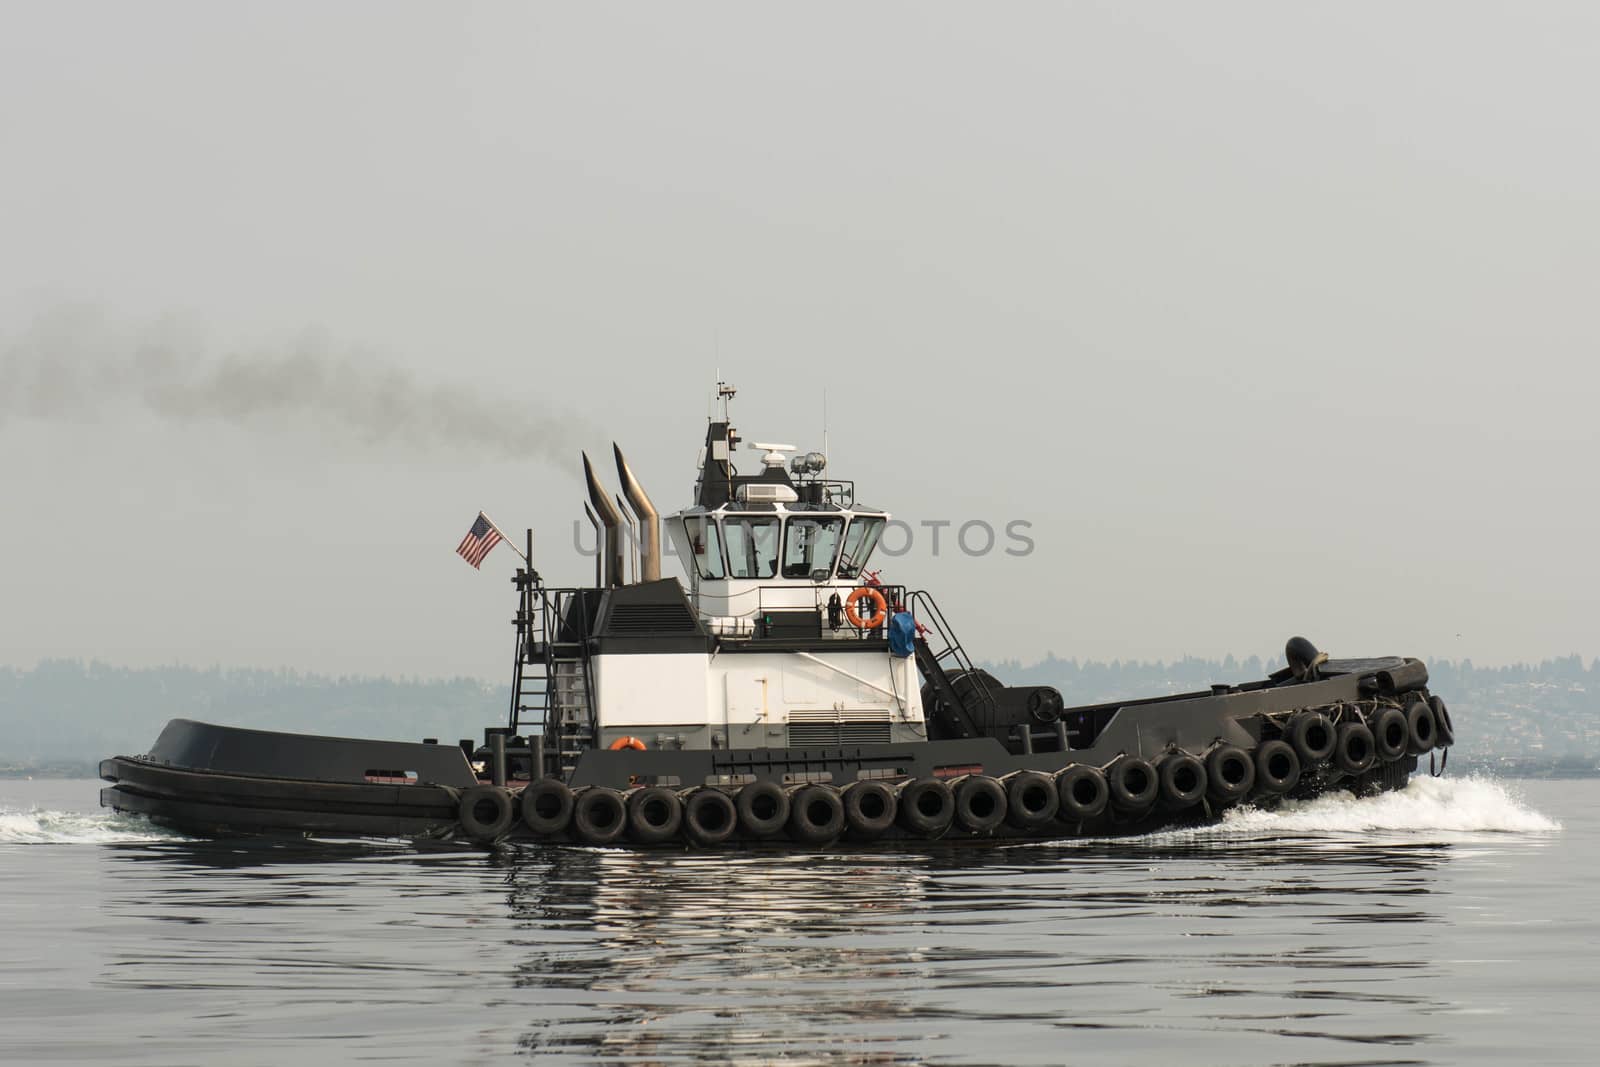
954	648
832	585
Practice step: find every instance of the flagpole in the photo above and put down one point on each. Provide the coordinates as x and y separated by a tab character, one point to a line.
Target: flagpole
509	543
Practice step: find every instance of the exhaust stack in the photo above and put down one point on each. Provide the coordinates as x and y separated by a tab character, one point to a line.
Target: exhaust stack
599	548
649	520
630	551
610	519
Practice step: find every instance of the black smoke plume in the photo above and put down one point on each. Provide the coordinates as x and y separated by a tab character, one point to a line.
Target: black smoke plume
73	366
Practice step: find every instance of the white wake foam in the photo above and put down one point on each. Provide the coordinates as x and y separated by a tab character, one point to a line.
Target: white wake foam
1426	807
37	827
1427	810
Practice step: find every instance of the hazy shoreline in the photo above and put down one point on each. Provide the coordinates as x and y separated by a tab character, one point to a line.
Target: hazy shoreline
60	717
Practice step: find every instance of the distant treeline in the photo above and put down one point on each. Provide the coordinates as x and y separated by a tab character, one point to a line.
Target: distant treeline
1510	719
71	710
1091	681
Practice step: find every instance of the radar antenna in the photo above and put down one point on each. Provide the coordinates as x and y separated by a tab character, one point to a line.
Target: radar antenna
774	453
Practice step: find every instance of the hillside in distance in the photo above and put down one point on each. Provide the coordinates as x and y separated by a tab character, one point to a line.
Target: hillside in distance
72	710
1525	717
68	710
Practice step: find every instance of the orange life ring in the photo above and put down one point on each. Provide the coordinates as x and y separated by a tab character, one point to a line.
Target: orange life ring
627	742
878	617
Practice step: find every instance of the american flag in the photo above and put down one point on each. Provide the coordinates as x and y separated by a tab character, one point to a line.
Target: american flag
479	540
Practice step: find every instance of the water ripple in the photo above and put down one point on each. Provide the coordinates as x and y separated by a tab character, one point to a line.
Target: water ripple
1265	941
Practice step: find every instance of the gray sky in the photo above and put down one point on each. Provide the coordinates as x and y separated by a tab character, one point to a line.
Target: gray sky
1269	318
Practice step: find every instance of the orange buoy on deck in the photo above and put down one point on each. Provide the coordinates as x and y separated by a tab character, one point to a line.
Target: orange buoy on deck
879	614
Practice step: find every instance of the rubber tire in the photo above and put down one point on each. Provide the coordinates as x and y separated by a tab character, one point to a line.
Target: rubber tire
655	815
486	812
1312	736
816	815
758	797
869	810
1134	784
546	807
599	815
1183	780
1355	750
1230	774
709	816
927	807
1446	730
980	804
1031	799
1071	786
1277	768
1390	734
1422	728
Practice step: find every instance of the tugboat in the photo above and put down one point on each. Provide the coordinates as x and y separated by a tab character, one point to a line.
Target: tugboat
780	693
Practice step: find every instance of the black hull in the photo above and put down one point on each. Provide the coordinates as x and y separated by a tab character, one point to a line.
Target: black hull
219	805
208	803
222	781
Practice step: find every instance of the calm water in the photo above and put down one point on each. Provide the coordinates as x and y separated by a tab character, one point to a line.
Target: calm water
1452	923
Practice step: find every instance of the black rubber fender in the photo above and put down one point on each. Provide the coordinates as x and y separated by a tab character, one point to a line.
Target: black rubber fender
980	804
1354	749
655	815
546	807
1082	793
1312	736
486	812
1134	784
1421	727
1230	773
816	814
869	809
1390	734
927	807
1277	767
1303	658
1183	780
1413	674
1441	722
599	815
709	816
1031	800
763	809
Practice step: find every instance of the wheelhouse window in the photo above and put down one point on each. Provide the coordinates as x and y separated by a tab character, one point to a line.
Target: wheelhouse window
859	541
809	545
706	545
752	542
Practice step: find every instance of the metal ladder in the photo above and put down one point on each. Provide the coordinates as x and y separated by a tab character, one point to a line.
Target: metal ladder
573	725
551	689
529	687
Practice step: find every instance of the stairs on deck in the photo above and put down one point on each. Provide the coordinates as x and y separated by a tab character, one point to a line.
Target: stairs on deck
551	689
957	717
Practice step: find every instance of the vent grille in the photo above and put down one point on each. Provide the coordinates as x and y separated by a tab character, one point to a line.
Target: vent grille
646	619
857	726
836	715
